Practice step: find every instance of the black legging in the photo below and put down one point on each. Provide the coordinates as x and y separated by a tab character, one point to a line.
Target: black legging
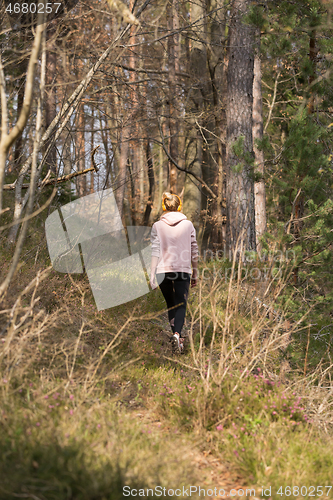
175	288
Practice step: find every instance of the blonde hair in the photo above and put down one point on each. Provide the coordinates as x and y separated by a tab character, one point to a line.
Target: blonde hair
171	202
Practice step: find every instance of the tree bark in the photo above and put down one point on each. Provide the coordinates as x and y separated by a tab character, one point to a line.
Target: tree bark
173	64
257	130
50	101
218	76
92	138
151	179
18	153
240	183
81	182
193	152
122	171
136	143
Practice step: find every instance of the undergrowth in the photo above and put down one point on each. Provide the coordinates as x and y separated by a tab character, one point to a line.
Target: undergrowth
72	378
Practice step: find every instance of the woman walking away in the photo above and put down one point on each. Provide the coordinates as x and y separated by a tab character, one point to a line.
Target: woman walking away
174	249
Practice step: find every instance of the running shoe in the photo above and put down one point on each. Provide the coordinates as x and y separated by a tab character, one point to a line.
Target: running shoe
177	343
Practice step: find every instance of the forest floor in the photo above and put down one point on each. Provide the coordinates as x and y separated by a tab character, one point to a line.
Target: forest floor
212	472
93	402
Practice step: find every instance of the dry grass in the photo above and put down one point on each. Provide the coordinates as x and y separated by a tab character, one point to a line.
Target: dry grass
70	377
63	434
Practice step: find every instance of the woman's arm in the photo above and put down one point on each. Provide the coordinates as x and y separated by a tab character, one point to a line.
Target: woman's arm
155	252
194	257
154	261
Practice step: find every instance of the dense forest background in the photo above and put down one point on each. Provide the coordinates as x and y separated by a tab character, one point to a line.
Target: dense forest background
229	104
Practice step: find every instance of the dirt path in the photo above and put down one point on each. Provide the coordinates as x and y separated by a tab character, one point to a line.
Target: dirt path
211	471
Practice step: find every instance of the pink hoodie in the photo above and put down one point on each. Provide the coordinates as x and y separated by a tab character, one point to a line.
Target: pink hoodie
173	240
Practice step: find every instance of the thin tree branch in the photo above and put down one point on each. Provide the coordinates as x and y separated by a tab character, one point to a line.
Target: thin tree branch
47	181
151	71
199	179
271	106
288	224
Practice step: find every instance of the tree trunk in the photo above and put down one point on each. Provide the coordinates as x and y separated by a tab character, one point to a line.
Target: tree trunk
240	184
173	64
18	153
81	181
218	76
50	102
92	137
114	137
193	152
257	130
151	180
192	192
67	154
135	144
122	171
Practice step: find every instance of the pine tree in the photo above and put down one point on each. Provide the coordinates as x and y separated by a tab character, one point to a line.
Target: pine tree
240	179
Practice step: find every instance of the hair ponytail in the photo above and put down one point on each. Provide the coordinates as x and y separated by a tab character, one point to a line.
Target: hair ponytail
171	202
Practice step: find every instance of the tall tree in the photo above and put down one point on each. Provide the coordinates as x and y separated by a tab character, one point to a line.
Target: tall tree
240	180
173	69
197	68
217	59
50	90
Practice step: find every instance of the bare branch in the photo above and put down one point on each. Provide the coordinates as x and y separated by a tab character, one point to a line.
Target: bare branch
46	181
196	177
271	106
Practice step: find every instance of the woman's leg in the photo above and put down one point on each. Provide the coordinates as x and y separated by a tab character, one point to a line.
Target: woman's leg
167	290
181	285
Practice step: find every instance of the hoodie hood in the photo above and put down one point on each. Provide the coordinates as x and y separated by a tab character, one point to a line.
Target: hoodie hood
173	218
